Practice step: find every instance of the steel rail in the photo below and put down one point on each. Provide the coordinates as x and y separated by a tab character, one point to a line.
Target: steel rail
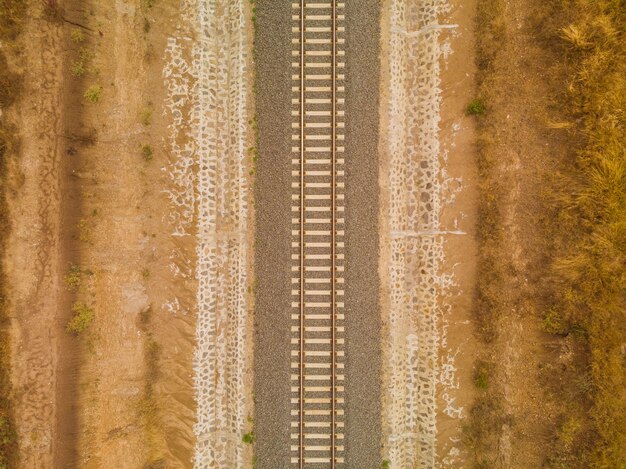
302	300
333	229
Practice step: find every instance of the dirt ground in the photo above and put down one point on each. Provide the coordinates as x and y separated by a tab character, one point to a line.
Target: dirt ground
519	91
90	192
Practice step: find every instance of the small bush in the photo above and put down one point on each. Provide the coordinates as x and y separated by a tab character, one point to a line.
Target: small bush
553	323
84	230
72	278
77	68
385	464
146	152
476	107
482	371
93	94
83	317
248	438
145	116
77	36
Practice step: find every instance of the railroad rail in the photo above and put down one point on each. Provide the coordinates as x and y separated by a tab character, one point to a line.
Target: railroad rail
317	391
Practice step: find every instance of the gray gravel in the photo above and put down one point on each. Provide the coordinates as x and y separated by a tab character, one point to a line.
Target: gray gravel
273	238
363	356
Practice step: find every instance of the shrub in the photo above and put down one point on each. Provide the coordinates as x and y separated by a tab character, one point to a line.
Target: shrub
93	93
72	278
385	464
77	35
476	107
82	318
248	438
553	323
145	116
482	371
77	68
146	152
84	230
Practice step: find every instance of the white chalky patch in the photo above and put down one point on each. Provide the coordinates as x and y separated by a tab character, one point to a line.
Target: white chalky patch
207	92
418	365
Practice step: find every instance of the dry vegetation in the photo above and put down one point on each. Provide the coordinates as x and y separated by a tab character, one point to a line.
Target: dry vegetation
12	13
586	269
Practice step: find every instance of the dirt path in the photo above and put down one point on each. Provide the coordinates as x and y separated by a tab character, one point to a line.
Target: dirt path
35	250
527	153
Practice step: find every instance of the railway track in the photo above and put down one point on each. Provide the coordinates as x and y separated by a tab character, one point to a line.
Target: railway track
317	319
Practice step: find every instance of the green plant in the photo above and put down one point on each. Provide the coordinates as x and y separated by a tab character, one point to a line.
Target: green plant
482	370
248	438
77	35
146	152
553	323
145	273
84	230
145	116
72	278
93	94
476	107
386	464
77	68
82	318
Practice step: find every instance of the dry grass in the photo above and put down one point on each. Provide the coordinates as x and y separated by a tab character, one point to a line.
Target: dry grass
587	268
590	269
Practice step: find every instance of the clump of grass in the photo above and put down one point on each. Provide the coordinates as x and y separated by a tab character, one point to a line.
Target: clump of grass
84	230
386	464
77	68
248	438
146	152
77	36
82	318
476	107
72	278
145	273
482	373
553	323
93	94
145	116
148	4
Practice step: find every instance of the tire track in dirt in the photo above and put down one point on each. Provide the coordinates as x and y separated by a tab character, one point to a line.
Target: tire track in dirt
33	259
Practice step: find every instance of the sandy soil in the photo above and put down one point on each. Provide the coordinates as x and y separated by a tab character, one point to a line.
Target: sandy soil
120	394
457	134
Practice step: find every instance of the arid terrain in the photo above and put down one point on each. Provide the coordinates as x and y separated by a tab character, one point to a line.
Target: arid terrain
162	195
